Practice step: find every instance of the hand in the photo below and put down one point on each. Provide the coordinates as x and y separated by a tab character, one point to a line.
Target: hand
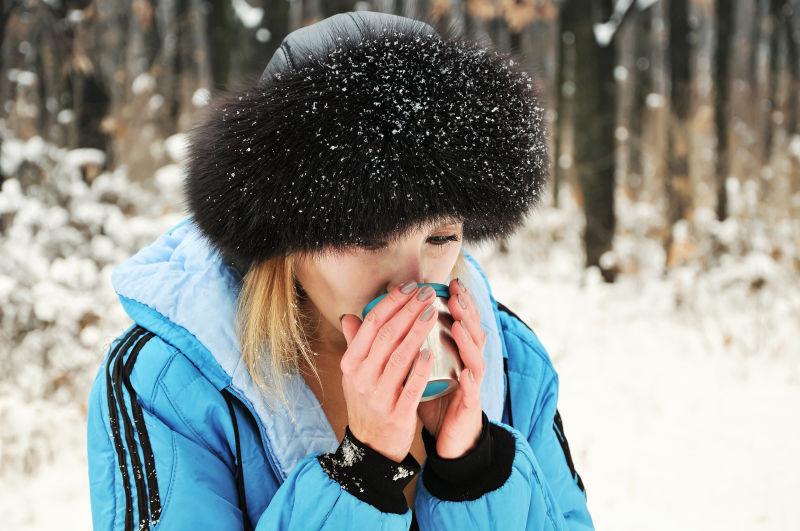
456	418
381	410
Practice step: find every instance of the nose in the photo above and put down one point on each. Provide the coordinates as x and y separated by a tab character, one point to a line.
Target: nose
405	262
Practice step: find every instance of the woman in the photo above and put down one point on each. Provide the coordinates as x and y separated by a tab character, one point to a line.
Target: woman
249	393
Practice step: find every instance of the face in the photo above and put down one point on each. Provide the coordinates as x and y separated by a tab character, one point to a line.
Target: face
347	281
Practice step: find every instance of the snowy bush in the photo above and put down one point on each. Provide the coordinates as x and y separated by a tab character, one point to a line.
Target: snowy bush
64	224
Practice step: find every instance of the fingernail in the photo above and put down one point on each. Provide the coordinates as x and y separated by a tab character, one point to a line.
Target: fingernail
471	376
408	286
461	285
424	316
341	317
464	328
424	293
461	301
426	353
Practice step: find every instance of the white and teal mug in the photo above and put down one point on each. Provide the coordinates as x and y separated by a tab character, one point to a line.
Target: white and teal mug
443	378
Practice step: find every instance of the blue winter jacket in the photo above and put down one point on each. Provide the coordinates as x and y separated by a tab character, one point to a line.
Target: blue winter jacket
180	438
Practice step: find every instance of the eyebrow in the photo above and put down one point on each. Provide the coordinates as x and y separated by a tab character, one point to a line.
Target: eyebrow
440	223
428	225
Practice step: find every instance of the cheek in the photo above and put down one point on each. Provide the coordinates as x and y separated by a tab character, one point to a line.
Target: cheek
343	285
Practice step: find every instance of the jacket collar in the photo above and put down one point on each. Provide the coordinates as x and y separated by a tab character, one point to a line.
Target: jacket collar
179	288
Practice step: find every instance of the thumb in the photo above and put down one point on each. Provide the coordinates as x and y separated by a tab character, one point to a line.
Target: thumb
350	325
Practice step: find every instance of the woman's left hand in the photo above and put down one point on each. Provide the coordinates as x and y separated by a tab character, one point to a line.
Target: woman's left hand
456	418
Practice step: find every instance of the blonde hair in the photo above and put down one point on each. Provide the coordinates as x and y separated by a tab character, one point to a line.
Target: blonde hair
273	324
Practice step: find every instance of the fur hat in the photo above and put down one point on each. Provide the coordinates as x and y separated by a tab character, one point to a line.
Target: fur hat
362	126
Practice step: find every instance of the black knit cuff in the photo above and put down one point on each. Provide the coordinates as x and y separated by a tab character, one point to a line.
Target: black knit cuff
483	469
369	475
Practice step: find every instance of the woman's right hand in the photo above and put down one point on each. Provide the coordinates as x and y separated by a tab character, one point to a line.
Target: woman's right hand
381	410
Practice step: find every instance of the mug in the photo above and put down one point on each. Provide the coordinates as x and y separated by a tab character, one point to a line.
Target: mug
447	365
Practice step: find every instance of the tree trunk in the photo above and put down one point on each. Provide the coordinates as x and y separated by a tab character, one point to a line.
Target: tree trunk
790	16
221	37
642	86
594	108
563	99
722	65
679	186
774	78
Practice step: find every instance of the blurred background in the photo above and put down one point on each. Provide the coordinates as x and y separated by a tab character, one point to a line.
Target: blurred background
661	271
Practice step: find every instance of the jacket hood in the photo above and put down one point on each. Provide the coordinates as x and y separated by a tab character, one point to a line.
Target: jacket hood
180	288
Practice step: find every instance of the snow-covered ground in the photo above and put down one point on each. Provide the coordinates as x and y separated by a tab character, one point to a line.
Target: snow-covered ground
679	394
680	397
668	429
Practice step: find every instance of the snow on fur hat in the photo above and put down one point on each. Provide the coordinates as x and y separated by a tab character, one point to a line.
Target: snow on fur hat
363	126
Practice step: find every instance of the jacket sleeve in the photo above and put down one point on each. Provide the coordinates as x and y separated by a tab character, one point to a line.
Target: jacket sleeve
354	487
529	482
151	467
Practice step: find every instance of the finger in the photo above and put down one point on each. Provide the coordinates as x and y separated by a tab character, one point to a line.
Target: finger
412	391
468	312
471	396
350	325
471	353
359	344
393	332
462	305
396	367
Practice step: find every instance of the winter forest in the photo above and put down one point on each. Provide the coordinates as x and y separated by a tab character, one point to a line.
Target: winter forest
661	270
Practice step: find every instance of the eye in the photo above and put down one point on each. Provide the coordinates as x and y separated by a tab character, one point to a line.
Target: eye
443	240
438	241
372	246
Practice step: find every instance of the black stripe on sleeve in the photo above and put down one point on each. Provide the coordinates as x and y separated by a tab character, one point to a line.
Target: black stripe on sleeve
118	375
130	440
562	439
122	346
508	394
141	428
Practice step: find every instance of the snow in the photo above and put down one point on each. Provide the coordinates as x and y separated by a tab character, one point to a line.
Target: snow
263	35
250	16
641	5
201	97
82	156
65	116
60	237
794	146
142	83
25	78
604	32
677	393
176	147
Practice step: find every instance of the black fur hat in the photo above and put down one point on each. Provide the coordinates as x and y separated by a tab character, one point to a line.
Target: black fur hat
362	126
